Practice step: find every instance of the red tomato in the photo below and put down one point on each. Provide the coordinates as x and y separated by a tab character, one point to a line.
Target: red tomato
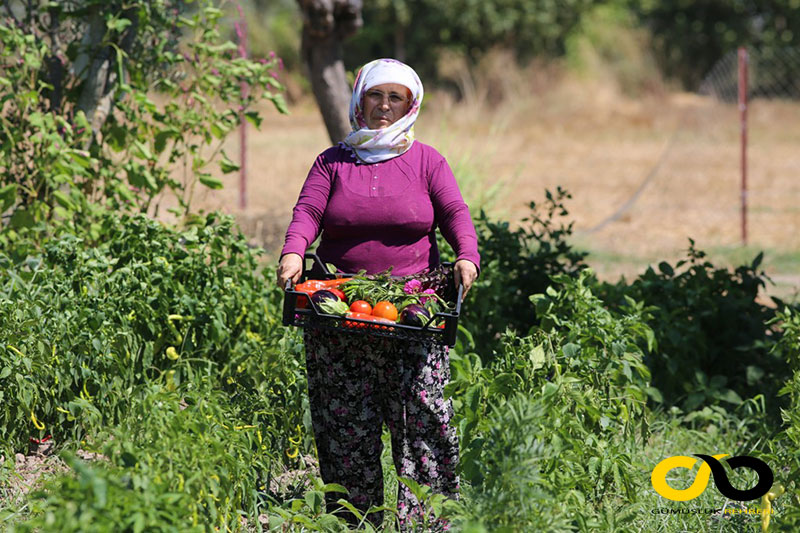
386	310
338	293
361	306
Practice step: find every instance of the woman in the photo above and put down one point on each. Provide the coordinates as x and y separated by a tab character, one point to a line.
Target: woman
377	198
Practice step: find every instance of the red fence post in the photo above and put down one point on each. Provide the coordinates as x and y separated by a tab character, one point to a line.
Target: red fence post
743	60
241	32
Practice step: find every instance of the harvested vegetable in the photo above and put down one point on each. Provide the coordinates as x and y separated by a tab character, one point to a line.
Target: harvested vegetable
330	307
425	288
386	310
414	315
334	283
323	295
338	293
361	306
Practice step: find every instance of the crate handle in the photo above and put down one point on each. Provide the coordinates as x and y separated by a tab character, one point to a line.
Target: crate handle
289	304
319	262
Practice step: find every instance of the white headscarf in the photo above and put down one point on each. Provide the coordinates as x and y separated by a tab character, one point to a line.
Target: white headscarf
374	146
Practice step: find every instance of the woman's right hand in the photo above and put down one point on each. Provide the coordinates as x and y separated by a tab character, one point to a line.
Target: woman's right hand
289	268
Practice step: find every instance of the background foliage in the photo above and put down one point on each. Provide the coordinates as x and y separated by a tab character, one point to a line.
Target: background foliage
686	38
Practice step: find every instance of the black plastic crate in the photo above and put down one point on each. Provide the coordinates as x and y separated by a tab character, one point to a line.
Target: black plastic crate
313	317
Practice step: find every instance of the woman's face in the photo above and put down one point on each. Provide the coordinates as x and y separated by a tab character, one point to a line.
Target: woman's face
385	104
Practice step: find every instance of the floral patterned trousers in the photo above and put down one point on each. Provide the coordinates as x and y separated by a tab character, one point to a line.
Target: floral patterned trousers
356	383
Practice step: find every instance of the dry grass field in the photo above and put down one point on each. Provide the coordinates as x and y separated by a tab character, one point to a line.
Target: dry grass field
599	145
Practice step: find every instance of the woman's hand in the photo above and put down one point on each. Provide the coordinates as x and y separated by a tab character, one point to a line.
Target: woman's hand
465	272
290	268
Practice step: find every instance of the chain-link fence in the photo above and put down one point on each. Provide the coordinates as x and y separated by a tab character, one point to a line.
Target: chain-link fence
695	185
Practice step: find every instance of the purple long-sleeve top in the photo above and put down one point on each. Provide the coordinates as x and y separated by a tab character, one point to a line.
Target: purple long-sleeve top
373	216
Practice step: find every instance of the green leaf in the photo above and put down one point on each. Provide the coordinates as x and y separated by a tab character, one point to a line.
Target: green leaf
143	150
694	400
626	370
571	349
80	157
349	506
36	119
416	489
314	500
305	521
226	165
100	490
655	394
436	503
729	396
537	357
280	103
504	384
333	487
217	131
8	195
254	118
138	522
161	138
64	200
328	522
149	179
80	120
22	218
754	374
118	24
211	182
472	397
337	307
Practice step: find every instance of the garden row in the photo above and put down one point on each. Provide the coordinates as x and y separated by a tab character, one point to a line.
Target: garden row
163	350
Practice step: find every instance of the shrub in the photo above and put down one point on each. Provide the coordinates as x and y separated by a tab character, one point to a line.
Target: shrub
81	128
713	341
548	429
85	321
192	465
516	263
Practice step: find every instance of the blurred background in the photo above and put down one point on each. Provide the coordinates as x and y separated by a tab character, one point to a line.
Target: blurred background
630	105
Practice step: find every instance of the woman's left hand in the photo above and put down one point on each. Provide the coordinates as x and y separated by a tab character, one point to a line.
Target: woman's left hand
465	272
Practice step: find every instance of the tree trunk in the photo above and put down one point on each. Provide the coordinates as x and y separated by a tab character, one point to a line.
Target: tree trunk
329	83
97	98
326	23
